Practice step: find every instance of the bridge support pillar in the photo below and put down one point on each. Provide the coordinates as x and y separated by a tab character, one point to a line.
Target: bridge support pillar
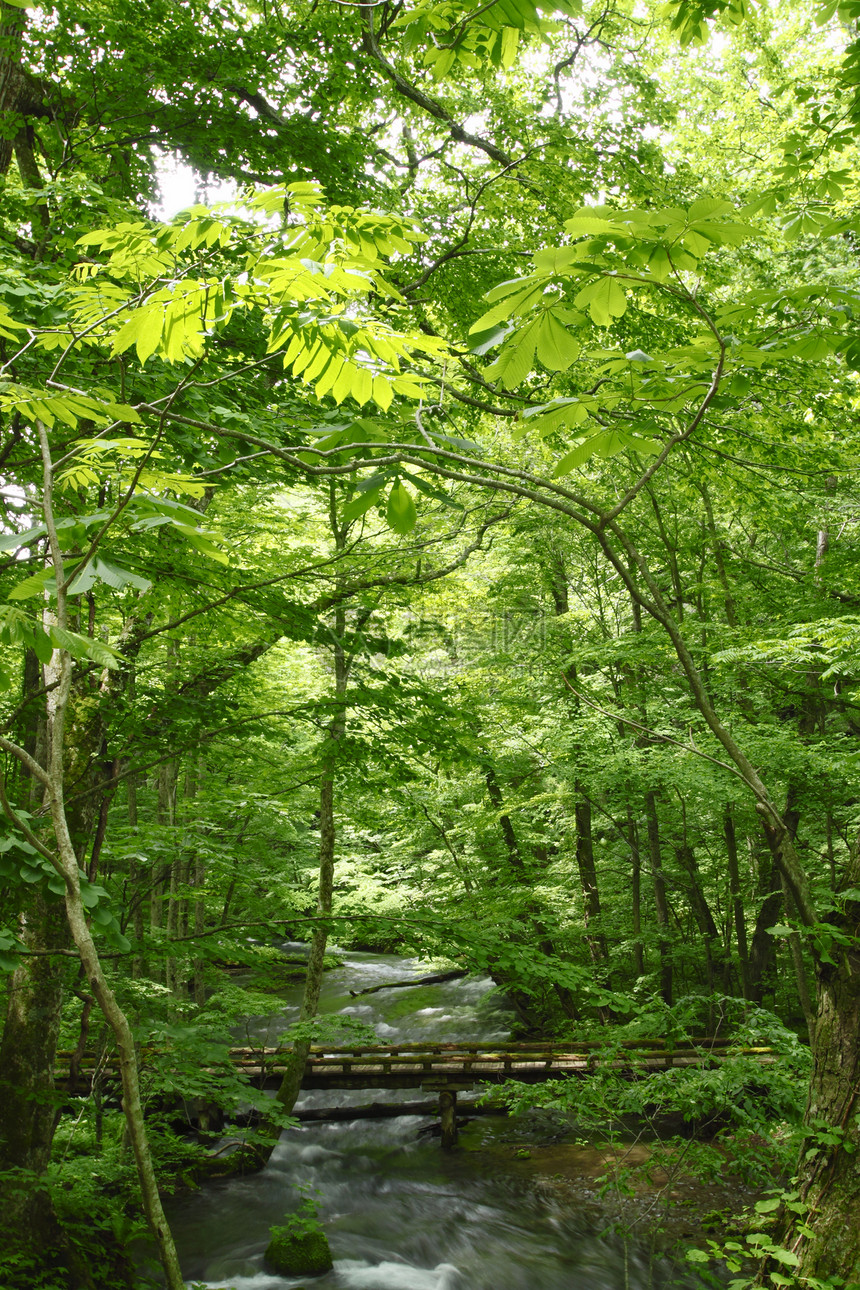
448	1118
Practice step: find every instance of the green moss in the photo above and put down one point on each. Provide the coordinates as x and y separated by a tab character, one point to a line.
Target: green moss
298	1253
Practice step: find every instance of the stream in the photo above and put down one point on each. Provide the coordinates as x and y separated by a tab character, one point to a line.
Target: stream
400	1213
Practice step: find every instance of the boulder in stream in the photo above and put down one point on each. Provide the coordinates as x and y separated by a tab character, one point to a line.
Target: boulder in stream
298	1254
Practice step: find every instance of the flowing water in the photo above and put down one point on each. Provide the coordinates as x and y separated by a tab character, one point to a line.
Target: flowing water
400	1213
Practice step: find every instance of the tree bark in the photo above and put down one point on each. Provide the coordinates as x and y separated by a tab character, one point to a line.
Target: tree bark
661	904
27	1103
292	1080
636	892
12	82
829	1171
763	947
588	879
738	912
715	958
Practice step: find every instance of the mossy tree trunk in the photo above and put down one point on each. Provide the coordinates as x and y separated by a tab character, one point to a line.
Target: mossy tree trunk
829	1170
28	1103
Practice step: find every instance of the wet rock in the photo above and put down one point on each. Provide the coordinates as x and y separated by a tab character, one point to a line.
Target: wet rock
298	1254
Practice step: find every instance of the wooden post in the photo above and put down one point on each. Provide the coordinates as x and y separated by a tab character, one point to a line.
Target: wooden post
448	1118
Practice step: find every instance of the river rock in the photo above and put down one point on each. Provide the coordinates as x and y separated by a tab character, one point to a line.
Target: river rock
299	1254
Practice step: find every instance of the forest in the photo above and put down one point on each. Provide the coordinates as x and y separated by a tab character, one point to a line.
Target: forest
426	529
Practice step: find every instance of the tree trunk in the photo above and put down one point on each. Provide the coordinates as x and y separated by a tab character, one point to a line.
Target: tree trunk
636	892
292	1081
28	1106
661	904
829	1171
715	955
738	912
166	817
791	816
135	883
588	878
12	20
763	947
796	949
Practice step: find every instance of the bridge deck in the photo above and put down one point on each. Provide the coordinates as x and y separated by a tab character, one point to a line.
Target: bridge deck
458	1066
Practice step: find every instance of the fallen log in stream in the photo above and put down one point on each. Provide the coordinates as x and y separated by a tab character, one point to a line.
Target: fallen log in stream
434	979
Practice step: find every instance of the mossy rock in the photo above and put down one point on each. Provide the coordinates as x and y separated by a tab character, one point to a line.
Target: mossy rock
299	1254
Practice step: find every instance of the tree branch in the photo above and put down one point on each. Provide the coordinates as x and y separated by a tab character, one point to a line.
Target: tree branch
422	100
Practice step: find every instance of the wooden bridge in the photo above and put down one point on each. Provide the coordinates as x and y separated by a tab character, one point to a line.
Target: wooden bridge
465	1065
447	1069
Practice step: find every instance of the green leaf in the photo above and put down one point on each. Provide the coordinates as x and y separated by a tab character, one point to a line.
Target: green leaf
111	574
362	385
438	494
202	543
90	895
549	416
35	585
513	303
707	207
14	541
400	513
382	392
441	62
83	646
577	456
143	330
516	359
42	646
787	1257
605	299
489	339
556	348
660	264
362	503
114	936
510	39
586	223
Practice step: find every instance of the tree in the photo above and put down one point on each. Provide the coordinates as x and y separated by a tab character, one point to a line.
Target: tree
661	356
